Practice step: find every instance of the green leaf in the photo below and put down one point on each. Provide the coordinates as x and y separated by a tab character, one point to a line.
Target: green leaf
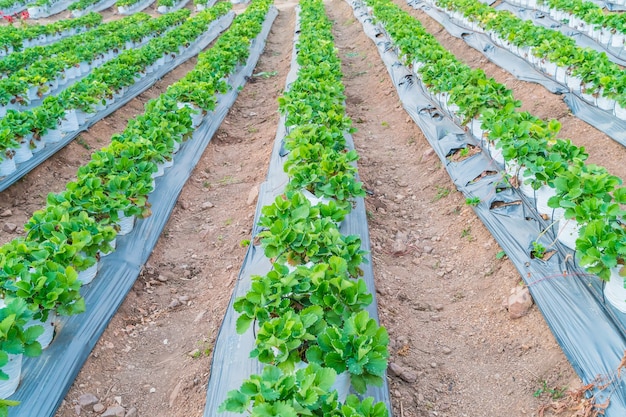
243	323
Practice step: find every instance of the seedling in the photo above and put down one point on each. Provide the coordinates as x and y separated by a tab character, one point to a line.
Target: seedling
554	393
501	255
442	192
538	250
472	201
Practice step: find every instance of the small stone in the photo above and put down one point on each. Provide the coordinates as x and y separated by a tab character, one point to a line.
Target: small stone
194	353
379	183
174	303
118	399
87	401
132	412
519	302
252	195
114	411
77	409
162	278
435	317
98	408
407	375
439	307
398	247
152	390
206	205
433	365
184	204
446	350
9	227
428	153
183	298
6	213
428	249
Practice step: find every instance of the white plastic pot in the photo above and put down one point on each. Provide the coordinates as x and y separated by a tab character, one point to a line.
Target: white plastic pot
604	103
619	111
39	145
549	68
113	245
476	129
561	75
496	153
617	40
87	275
614	290
7	166
342	385
574	83
568	232
13	369
52	136
32	93
23	153
125	223
48	328
542	195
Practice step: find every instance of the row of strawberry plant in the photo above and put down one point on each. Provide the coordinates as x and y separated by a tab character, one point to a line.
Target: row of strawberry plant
167	6
11	7
13	38
42	78
584	198
44	8
22	133
586	72
29	56
309	310
132	6
81	224
607	28
81	7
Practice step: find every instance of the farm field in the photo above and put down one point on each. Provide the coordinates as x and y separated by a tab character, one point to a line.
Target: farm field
440	280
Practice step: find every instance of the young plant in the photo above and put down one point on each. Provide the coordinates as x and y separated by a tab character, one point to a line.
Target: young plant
307	392
284	340
359	347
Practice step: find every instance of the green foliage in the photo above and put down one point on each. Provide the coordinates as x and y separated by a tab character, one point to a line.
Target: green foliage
274	393
359	347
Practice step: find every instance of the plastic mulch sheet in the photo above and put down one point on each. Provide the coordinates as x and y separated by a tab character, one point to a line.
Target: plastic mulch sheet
231	363
590	332
216	27
47	378
602	120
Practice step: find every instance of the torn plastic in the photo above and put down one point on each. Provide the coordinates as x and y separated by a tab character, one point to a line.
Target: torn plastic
47	378
215	28
590	332
231	363
602	120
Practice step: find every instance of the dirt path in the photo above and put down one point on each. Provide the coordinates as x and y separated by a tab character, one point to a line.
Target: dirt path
440	285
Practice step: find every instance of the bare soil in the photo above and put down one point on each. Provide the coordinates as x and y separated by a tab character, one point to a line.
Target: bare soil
440	285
